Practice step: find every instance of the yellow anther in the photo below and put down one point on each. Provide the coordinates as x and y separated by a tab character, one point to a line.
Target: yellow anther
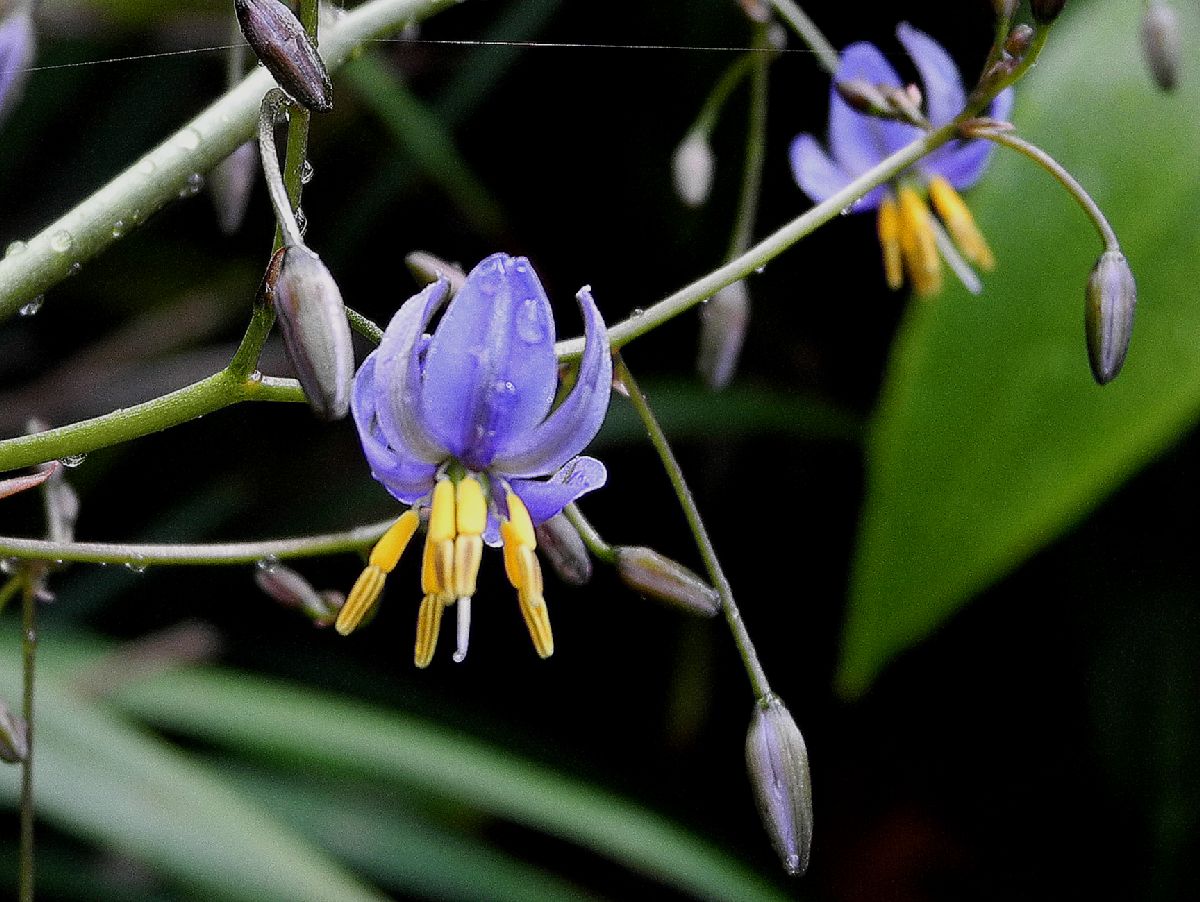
918	244
518	516
437	569
516	532
388	549
889	238
533	605
960	223
471	510
468	552
441	512
361	600
429	624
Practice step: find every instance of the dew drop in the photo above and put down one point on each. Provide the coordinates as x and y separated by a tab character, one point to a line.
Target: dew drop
72	460
61	241
136	564
192	186
146	166
189	139
74	268
530	324
15	248
301	221
759	270
267	564
32	307
256	376
306	173
118	228
637	311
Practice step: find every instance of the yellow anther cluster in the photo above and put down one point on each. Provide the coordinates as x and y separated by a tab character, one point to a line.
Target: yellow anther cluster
525	574
918	243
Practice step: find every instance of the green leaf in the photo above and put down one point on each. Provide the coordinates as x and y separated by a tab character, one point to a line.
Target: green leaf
991	439
102	779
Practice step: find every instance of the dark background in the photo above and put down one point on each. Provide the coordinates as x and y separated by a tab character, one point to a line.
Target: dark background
1040	746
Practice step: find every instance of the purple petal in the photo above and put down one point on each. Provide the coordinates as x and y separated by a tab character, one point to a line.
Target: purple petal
490	374
942	85
397	378
406	477
545	498
16	56
858	142
568	429
962	162
817	175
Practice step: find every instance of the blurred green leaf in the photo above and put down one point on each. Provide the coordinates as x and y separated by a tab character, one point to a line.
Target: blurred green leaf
100	778
991	438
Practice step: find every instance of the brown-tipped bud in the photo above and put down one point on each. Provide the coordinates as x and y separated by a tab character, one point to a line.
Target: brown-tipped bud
286	50
723	320
1046	11
230	185
863	96
14	736
315	332
291	589
1019	40
24	483
778	763
1108	315
560	544
1161	44
427	267
692	168
656	576
1005	9
17	47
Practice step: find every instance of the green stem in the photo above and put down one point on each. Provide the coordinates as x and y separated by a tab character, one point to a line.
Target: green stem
277	187
28	654
741	637
180	406
363	326
717	98
158	177
595	544
756	147
806	29
193	554
1052	166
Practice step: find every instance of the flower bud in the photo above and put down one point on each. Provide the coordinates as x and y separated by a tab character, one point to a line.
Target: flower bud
560	544
17	46
863	96
23	483
283	46
230	184
1108	315
723	321
14	736
1046	11
778	764
656	576
315	332
1161	45
692	167
291	589
1019	40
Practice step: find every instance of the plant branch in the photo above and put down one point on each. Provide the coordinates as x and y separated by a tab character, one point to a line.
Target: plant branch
806	29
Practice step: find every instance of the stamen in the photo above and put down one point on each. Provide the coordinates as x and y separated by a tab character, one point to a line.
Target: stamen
437	565
888	225
468	552
464	629
470	519
524	572
369	584
957	216
918	244
429	624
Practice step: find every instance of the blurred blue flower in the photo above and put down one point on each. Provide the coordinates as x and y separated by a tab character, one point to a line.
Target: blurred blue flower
17	45
857	142
461	421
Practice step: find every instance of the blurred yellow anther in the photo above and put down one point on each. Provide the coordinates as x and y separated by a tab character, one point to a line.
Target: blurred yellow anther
429	624
918	244
441	512
471	508
960	223
369	584
525	574
889	239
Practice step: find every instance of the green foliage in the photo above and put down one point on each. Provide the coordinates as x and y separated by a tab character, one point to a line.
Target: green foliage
990	438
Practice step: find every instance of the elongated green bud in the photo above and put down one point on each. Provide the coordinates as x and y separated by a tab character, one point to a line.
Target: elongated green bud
316	335
656	576
1111	297
561	545
777	760
1161	44
282	45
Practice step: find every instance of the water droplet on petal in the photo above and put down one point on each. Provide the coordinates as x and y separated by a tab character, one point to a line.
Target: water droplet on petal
72	460
32	307
61	241
530	324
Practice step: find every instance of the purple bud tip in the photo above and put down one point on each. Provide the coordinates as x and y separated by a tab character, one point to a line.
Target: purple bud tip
283	46
1111	298
777	761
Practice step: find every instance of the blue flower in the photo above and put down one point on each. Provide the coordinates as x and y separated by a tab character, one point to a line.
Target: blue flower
907	230
461	422
16	55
